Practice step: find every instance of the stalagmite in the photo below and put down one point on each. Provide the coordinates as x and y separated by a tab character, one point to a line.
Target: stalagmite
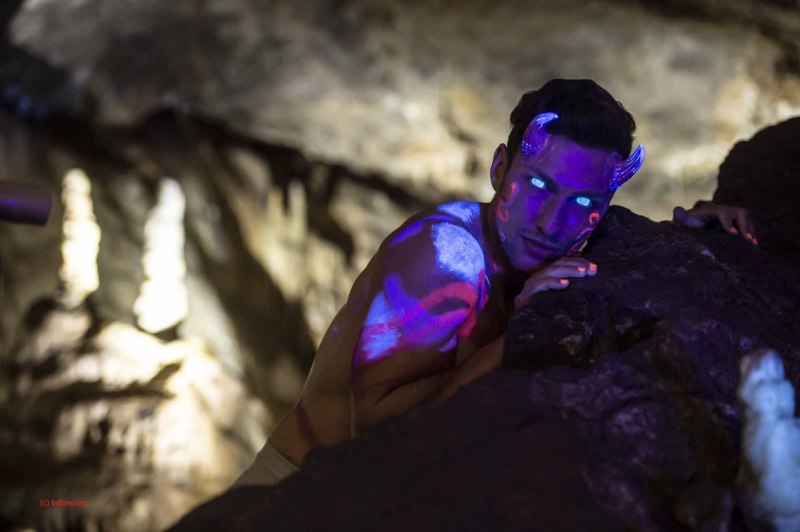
770	473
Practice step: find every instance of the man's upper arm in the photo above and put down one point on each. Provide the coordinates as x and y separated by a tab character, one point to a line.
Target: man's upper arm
425	293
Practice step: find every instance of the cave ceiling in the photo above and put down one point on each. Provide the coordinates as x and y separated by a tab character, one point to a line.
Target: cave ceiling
421	91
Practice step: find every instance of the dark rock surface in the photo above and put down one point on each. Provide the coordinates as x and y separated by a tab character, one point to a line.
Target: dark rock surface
655	341
763	175
490	459
616	405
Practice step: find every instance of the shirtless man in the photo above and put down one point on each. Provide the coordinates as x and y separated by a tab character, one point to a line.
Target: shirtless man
428	313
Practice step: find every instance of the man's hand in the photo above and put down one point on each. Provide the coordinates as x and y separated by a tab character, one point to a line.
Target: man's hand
734	220
554	276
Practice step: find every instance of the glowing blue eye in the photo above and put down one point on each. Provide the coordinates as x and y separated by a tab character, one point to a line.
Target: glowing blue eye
583	200
538	183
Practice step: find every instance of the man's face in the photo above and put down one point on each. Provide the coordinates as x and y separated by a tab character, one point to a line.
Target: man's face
546	206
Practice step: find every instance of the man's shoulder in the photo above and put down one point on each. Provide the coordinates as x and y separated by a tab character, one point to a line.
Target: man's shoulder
463	215
445	236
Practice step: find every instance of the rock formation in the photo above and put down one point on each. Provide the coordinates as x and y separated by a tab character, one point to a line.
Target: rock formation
761	175
120	420
420	92
769	476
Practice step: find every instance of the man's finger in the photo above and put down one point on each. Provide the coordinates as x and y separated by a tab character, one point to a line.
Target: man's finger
563	262
572	261
571	270
541	285
679	215
745	225
740	219
726	219
683	217
552	283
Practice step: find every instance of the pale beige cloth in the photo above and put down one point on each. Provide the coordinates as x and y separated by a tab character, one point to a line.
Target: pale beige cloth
269	467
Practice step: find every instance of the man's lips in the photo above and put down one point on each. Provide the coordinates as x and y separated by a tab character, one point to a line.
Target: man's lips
540	246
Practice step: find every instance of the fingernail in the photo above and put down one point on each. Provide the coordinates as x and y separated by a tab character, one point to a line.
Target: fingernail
564	282
755	240
581	269
592	266
749	235
734	231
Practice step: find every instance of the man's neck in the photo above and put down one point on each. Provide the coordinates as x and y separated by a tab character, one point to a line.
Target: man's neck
500	270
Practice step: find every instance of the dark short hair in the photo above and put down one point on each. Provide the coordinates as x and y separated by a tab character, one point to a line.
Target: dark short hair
587	114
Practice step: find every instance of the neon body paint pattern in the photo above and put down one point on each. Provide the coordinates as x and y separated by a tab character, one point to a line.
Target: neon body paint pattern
433	284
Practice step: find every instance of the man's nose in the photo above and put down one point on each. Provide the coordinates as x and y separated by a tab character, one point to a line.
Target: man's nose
548	219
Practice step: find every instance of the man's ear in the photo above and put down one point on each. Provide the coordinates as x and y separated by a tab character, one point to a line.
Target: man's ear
499	167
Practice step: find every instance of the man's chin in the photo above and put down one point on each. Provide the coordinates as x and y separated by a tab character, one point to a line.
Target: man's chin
529	263
539	252
542	256
528	259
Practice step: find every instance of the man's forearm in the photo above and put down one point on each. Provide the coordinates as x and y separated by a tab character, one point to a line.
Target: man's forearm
368	412
429	391
483	361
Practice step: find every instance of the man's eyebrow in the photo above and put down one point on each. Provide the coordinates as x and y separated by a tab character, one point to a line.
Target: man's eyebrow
555	184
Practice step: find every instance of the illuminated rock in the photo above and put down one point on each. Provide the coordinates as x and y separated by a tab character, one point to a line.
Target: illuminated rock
402	88
770	472
162	302
78	270
138	427
94	407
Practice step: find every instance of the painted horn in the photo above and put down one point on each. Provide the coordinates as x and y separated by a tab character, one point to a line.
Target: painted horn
624	170
535	138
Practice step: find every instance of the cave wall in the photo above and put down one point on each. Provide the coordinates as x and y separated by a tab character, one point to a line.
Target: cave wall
421	91
278	143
